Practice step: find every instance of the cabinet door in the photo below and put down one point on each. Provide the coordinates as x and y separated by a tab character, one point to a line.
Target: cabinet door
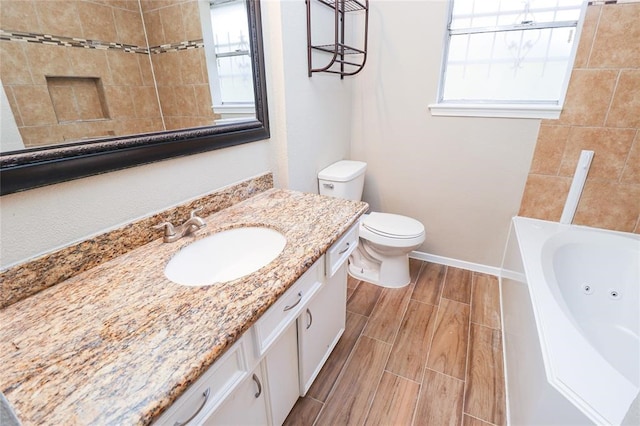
212	388
321	325
282	374
245	406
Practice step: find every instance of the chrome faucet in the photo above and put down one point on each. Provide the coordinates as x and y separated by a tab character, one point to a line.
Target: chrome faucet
174	233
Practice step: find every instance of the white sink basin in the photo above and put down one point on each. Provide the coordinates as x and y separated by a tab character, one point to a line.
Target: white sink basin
225	256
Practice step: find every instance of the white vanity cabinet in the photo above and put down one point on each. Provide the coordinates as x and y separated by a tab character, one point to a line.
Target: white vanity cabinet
259	379
322	322
281	364
246	405
256	381
287	308
320	327
210	390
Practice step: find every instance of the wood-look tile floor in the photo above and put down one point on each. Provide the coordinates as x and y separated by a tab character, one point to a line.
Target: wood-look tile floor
426	354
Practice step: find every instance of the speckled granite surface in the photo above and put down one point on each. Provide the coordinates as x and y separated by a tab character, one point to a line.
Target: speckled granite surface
23	280
119	343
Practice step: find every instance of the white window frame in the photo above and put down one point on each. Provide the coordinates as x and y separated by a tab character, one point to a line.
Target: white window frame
502	110
230	111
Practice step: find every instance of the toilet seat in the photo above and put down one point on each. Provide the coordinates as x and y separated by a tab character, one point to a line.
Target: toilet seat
393	226
382	255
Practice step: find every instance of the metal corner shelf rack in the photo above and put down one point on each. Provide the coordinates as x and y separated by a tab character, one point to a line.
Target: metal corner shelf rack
343	59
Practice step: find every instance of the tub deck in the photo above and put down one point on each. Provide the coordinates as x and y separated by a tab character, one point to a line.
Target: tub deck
574	363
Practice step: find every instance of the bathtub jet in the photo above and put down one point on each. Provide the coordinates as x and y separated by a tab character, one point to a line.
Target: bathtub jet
570	304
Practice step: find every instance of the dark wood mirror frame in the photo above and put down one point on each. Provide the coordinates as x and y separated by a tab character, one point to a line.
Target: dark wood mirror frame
32	168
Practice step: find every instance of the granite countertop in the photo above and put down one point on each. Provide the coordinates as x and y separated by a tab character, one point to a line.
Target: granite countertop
119	343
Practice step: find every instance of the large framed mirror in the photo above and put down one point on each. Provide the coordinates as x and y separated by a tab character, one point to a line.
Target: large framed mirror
90	87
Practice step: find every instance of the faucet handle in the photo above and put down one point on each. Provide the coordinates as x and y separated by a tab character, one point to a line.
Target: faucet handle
169	230
194	211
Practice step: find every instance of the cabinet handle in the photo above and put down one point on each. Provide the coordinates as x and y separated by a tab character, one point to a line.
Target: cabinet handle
287	308
255	379
310	318
206	398
345	249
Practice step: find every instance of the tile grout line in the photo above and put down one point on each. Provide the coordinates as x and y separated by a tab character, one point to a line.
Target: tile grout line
468	360
478	418
636	137
433	332
613	94
415	409
342	369
457	301
465	382
471	321
444	374
346	361
564	149
593	40
401	377
375	393
435	323
637	225
485	325
406	308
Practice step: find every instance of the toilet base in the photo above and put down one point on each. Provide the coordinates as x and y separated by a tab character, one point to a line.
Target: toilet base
391	273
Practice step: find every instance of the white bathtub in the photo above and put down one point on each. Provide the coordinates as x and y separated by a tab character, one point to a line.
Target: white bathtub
570	305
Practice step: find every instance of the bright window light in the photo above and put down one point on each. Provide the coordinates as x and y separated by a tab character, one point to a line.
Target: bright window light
232	51
509	52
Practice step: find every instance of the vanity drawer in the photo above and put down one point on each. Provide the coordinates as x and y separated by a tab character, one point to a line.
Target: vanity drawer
208	392
340	251
287	308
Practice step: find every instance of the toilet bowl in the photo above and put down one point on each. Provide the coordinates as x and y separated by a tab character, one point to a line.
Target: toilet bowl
382	256
386	239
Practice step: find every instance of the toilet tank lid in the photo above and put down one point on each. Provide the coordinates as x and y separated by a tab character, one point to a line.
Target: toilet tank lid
343	171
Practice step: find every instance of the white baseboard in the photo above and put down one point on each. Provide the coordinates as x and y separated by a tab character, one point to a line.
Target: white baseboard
462	264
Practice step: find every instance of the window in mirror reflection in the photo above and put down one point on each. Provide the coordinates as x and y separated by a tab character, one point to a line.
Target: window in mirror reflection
228	56
140	66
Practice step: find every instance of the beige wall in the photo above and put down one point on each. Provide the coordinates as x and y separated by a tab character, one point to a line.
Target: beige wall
601	113
317	120
461	177
41	220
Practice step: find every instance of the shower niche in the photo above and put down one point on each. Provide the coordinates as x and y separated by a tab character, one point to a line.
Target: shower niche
337	36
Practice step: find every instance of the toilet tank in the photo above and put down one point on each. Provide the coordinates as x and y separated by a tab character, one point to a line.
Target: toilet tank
344	179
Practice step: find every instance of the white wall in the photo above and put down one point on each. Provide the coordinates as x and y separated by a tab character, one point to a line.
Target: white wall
43	219
318	108
461	177
309	121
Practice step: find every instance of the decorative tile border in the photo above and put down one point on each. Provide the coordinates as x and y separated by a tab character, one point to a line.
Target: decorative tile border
21	281
601	2
69	41
175	47
18	36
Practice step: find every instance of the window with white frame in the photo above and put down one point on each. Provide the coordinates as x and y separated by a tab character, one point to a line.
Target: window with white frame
228	51
508	57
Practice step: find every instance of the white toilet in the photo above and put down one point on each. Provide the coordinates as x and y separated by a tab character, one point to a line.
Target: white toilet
386	239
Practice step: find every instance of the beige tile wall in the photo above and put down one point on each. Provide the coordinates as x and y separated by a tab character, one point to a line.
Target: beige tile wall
125	79
183	83
601	113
